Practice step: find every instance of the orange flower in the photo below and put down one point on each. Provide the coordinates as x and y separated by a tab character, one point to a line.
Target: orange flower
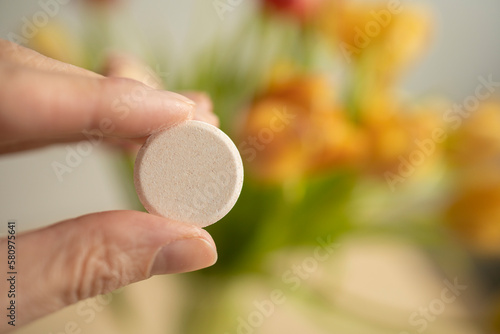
386	35
475	216
474	212
295	128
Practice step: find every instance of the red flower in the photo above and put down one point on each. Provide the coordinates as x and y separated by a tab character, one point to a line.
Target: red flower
303	10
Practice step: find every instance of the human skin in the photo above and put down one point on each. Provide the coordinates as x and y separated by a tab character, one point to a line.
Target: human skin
44	101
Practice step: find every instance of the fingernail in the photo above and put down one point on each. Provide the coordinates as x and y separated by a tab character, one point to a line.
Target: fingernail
175	107
181	98
184	255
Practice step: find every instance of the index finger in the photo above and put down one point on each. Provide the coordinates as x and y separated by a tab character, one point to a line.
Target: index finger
41	105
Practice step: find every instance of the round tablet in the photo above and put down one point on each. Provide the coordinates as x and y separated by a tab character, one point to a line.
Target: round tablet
191	172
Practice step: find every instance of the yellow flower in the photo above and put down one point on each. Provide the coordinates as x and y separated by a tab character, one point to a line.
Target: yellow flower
53	40
384	36
401	140
475	148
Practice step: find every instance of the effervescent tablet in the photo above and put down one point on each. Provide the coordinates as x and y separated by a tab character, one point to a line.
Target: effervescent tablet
191	172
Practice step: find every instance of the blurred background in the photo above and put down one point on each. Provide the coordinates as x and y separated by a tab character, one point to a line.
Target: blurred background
370	134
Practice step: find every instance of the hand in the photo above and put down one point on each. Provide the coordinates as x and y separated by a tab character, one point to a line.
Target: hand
43	101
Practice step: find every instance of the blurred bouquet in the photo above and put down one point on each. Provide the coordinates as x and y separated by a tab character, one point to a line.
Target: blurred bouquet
308	89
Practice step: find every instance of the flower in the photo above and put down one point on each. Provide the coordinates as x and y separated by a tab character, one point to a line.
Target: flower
297	129
53	40
474	210
474	215
475	146
385	36
302	10
401	136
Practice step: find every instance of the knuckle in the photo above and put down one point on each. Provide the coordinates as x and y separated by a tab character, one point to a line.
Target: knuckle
99	267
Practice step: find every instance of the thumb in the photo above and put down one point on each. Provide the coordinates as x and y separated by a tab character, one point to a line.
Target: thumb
97	253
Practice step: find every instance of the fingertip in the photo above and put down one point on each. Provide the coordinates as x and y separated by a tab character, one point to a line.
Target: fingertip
181	108
177	247
180	97
204	107
182	256
208	237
